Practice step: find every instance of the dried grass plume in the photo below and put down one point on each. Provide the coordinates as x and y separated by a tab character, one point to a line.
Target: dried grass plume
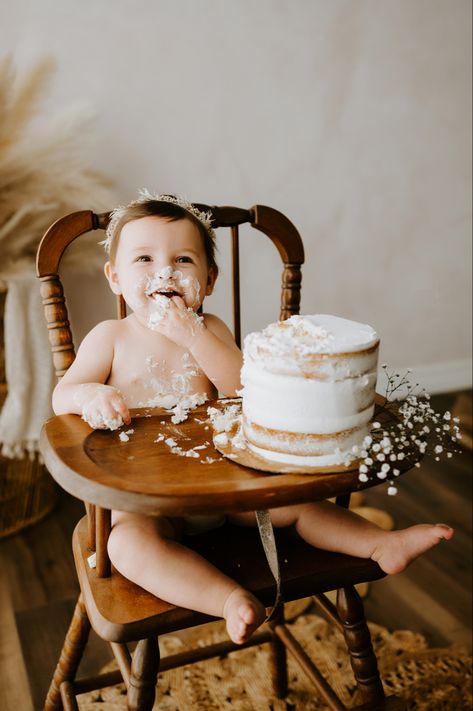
42	172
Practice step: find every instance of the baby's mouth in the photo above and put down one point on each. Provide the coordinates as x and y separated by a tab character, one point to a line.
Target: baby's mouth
169	293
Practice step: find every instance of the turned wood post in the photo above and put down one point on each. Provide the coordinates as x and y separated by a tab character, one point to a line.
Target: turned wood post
103	526
236	285
290	291
358	640
143	676
71	654
59	333
278	656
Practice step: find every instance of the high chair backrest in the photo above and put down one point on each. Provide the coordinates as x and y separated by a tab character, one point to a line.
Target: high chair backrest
59	236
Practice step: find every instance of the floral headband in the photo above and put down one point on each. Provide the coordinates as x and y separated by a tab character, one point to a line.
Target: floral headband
205	218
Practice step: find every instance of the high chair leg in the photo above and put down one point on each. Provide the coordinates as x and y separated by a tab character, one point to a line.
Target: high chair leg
358	640
71	654
278	657
144	675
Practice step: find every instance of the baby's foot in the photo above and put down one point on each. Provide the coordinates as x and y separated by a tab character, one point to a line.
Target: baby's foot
398	549
243	614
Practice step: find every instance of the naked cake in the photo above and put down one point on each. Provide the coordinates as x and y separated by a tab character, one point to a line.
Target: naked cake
308	389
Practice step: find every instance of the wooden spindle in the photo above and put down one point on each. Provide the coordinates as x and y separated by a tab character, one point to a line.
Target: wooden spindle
103	525
236	285
143	675
290	291
358	640
123	658
59	333
90	508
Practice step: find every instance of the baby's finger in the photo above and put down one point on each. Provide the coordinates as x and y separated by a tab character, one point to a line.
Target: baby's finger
94	420
112	419
179	302
108	410
122	410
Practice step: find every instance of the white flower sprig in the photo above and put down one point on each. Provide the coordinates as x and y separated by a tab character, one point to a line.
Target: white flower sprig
411	428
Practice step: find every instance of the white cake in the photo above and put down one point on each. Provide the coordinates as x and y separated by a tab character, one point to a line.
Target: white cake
308	389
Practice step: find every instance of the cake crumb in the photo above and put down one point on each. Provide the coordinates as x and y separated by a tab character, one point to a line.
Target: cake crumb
92	560
223	420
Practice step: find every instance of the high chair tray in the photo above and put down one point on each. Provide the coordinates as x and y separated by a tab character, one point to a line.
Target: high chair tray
173	469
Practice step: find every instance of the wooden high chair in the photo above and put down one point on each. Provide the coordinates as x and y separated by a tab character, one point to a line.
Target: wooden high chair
119	611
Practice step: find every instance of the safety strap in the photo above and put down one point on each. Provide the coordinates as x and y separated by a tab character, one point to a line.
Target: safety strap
269	545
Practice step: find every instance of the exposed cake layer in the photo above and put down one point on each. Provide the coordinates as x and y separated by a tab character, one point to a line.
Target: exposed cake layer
336	458
304	449
309	387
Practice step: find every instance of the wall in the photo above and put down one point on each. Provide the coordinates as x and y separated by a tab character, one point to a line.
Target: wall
351	116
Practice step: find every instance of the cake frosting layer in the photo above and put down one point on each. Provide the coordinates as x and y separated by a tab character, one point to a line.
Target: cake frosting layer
320	460
302	336
308	388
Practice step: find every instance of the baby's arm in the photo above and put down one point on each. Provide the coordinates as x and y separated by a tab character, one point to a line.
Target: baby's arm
215	351
82	390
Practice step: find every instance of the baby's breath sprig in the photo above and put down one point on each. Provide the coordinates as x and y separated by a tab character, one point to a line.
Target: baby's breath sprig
410	429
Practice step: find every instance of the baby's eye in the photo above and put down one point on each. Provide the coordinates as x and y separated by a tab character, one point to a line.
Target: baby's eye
184	260
144	258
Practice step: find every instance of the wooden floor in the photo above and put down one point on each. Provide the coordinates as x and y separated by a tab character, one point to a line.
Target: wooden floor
38	587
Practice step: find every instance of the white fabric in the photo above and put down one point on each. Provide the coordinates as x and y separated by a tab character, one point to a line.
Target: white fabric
28	365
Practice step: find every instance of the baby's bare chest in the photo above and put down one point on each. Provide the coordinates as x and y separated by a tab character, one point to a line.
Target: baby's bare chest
156	374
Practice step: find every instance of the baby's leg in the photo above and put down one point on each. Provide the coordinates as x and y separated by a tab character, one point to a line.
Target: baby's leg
331	527
145	551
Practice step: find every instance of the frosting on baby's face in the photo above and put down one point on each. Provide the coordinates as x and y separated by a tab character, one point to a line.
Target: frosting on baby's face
158	260
171	282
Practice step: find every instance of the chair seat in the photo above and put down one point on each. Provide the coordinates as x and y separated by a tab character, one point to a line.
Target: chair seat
121	611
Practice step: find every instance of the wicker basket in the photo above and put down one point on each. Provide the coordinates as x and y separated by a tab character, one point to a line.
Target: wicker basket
27	490
27	494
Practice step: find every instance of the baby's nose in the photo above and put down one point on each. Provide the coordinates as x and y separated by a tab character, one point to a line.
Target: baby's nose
165	273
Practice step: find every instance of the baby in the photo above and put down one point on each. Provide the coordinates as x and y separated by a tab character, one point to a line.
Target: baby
161	259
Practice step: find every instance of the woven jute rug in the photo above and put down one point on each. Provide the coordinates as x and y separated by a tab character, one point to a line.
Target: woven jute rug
429	679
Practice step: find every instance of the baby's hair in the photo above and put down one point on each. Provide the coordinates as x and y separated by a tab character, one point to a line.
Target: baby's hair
168	207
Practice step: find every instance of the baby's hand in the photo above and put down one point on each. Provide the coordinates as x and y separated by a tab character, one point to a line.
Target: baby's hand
178	322
102	406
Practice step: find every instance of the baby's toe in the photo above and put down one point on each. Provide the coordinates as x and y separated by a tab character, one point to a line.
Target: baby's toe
444	531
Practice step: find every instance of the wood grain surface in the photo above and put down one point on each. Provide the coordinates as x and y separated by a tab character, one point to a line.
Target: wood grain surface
433	596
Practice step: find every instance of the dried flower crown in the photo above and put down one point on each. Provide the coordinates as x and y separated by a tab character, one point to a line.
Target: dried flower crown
205	218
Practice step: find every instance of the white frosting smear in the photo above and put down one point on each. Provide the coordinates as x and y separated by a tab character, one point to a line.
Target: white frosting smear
307	335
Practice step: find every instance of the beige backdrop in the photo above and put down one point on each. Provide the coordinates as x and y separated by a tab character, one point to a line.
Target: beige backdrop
351	116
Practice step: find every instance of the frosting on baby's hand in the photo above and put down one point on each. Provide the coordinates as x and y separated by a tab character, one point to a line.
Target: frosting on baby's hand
176	321
102	406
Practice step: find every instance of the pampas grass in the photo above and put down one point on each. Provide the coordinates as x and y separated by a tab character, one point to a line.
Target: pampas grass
42	172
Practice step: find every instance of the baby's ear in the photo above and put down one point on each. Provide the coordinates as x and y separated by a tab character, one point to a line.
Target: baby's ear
211	279
112	278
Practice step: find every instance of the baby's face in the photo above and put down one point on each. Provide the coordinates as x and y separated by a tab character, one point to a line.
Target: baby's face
157	259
